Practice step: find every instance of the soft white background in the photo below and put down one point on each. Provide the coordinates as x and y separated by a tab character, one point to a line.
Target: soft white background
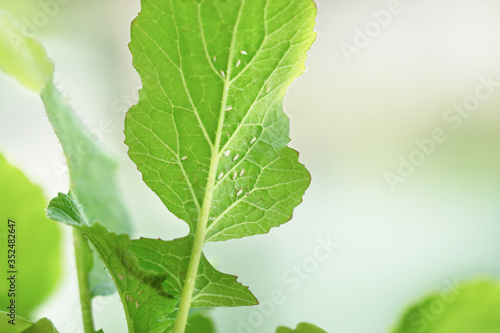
350	121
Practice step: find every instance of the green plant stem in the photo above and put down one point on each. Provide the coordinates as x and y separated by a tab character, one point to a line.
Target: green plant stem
194	261
199	241
83	283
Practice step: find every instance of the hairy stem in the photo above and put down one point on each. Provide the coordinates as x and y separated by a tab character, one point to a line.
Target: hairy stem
81	246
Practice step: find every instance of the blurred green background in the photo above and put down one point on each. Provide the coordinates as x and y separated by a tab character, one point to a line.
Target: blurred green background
352	118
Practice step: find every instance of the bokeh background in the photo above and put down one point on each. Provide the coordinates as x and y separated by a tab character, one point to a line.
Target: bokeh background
353	118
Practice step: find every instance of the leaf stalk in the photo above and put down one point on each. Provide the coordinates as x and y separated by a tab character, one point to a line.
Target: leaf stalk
80	246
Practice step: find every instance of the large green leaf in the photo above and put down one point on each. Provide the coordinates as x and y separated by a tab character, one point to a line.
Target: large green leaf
23	326
472	307
38	241
301	328
209	131
149	273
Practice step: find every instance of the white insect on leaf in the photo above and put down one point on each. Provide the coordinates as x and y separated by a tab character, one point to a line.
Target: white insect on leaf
236	157
220	175
243	52
227	152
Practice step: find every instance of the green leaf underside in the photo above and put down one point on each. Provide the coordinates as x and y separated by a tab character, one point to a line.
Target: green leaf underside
38	241
471	307
43	325
214	74
149	274
301	328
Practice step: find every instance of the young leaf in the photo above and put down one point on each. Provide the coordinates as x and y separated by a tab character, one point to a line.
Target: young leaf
471	307
148	273
23	326
209	133
301	328
37	248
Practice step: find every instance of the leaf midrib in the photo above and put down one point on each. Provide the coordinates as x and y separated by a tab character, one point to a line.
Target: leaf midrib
200	232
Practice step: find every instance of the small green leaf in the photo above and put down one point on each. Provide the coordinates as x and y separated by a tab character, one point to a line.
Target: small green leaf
301	328
37	242
22	57
43	325
466	308
64	208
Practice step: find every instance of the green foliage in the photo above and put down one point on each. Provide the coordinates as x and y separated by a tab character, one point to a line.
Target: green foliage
23	326
38	241
471	307
209	130
148	273
301	328
210	137
209	133
92	171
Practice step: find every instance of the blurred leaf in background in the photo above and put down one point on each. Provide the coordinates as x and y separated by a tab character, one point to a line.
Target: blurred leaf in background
23	58
92	168
22	325
38	241
301	328
21	8
468	308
